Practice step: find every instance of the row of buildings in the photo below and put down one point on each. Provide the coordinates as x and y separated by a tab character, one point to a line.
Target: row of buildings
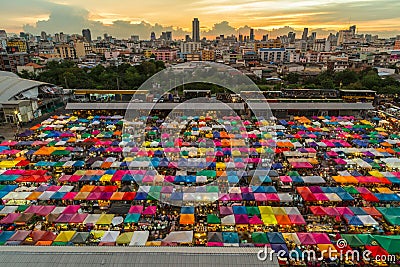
345	49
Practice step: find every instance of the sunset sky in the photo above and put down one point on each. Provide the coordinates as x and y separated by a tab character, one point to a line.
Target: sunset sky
126	17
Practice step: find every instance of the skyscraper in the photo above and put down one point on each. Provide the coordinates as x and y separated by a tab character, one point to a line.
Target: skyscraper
251	35
313	35
3	34
292	37
87	35
196	30
152	36
305	34
353	29
43	35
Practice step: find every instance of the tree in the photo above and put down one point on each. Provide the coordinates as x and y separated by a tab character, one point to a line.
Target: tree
345	77
292	78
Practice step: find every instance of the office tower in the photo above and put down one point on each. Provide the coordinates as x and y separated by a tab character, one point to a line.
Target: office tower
251	35
196	30
3	34
305	34
291	37
135	38
168	36
353	29
87	36
152	36
43	35
187	38
313	35
241	38
265	38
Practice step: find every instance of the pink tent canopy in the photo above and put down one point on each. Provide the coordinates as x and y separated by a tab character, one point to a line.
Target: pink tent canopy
260	197
332	154
344	210
285	179
10	218
64	218
301	165
255	220
340	161
136	209
225	210
45	210
150	210
272	197
306	239
223	197
70	209
78	218
321	238
297	219
69	195
321	197
331	211
215	244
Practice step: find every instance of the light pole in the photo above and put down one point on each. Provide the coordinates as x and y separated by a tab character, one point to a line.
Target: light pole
16	119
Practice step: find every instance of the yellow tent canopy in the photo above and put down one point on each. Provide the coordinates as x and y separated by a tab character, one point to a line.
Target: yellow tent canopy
269	219
266	210
105	219
65	236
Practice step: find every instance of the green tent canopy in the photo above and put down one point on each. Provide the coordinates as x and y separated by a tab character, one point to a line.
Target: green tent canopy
213	219
390	243
251	211
367	239
259	238
353	240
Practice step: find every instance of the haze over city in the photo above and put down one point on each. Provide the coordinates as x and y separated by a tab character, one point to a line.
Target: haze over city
217	17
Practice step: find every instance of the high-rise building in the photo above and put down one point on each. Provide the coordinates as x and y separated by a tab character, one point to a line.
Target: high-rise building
353	29
313	35
305	34
291	37
187	38
152	36
196	30
87	36
3	34
265	38
251	35
43	35
167	36
135	38
241	38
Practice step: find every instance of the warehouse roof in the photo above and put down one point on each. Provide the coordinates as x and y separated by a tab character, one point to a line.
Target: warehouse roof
11	85
133	256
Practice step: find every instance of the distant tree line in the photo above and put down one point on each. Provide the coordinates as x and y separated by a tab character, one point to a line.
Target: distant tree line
364	80
68	75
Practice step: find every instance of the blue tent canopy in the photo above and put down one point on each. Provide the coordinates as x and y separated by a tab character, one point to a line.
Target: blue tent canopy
275	238
187	210
239	210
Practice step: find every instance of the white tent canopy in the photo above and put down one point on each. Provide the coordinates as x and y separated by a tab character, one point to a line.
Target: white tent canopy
139	238
110	236
179	237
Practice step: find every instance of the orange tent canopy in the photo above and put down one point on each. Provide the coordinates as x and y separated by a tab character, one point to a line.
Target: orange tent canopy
345	179
186	219
283	220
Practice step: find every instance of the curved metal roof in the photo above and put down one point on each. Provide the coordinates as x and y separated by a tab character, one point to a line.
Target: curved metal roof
12	85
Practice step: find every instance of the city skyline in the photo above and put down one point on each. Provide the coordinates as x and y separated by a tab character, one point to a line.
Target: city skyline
126	19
